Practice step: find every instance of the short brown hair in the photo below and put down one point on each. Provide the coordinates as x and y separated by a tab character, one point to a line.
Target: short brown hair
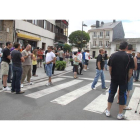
101	50
16	45
51	47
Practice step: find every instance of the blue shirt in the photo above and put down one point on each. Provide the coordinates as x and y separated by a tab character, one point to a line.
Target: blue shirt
83	54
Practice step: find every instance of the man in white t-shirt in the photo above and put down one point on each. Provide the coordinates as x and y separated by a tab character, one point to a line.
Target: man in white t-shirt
50	58
86	59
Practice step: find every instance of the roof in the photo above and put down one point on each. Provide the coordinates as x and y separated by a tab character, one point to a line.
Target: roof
132	40
109	25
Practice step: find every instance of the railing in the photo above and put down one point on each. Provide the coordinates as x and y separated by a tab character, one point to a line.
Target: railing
60	37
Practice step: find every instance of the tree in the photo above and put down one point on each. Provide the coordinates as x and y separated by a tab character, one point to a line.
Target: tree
67	47
75	38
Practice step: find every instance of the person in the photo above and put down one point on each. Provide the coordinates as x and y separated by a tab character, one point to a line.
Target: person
99	70
83	59
26	65
130	83
61	54
120	69
56	52
76	62
0	54
105	60
17	69
40	57
34	62
137	71
86	60
50	58
67	57
43	50
5	65
80	58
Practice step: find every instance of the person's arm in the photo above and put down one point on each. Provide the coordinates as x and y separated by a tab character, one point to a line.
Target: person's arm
23	55
54	59
130	74
135	63
8	54
9	57
22	59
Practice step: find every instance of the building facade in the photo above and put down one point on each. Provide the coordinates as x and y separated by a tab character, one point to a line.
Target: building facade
104	35
38	33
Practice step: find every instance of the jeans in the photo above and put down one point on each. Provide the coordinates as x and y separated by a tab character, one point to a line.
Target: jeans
9	73
99	73
136	74
105	64
48	68
17	73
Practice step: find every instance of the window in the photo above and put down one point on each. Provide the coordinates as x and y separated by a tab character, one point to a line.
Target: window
101	34
41	23
34	22
107	43
54	29
51	27
48	25
94	34
94	43
1	25
107	33
45	24
100	43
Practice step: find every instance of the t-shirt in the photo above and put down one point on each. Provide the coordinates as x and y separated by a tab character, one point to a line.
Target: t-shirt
16	58
105	57
83	55
80	56
61	53
87	56
138	63
100	59
34	62
6	52
120	62
28	59
49	56
40	53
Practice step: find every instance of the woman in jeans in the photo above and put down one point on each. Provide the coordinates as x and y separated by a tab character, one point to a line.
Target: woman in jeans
76	62
34	62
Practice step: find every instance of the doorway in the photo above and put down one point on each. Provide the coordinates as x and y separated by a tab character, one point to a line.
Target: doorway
43	46
93	54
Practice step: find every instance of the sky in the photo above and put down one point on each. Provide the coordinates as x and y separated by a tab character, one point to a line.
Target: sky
131	27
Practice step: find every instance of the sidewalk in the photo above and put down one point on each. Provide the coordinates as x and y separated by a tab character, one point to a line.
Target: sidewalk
41	74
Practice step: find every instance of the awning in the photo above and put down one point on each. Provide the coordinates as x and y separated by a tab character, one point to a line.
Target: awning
28	37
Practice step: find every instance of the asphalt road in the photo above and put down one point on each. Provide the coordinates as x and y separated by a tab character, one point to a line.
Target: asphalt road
67	99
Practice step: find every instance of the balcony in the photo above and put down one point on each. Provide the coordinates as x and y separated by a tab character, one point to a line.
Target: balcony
100	37
107	37
60	38
94	37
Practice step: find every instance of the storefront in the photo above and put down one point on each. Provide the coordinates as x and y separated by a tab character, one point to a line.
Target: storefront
25	39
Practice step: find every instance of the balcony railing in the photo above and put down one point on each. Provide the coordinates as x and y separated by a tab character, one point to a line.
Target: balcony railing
60	37
99	46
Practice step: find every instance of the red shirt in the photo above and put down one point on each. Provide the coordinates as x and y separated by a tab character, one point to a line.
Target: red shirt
40	53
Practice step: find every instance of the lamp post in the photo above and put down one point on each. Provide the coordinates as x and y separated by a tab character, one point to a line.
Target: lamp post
82	34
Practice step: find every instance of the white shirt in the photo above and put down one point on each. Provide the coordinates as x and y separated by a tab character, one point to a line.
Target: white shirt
80	56
0	50
49	56
87	56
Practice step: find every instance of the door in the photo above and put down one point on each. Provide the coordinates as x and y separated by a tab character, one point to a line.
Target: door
93	54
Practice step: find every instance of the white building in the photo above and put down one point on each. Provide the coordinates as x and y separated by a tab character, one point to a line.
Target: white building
103	36
38	33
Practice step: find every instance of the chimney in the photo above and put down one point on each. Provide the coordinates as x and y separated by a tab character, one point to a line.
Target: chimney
114	21
102	23
97	24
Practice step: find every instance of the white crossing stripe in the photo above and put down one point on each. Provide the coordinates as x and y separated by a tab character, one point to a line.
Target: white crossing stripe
67	98
35	85
130	114
50	90
99	104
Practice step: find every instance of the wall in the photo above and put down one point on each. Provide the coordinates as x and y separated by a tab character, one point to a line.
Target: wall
29	27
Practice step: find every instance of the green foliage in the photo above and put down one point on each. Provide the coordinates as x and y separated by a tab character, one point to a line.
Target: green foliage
75	38
71	60
60	65
67	47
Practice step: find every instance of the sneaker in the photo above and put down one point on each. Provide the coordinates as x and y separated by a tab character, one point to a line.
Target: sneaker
93	88
84	70
31	83
21	86
105	88
6	89
48	84
107	113
121	117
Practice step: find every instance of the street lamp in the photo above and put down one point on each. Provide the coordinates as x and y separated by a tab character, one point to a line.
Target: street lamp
82	34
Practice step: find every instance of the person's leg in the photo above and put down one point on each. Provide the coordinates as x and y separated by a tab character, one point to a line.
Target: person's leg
98	73
24	73
136	75
28	73
41	63
50	72
122	97
105	64
18	79
14	80
112	92
9	74
81	67
35	69
118	97
5	80
103	79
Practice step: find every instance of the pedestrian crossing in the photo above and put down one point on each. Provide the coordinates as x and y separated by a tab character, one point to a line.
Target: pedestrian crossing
98	105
